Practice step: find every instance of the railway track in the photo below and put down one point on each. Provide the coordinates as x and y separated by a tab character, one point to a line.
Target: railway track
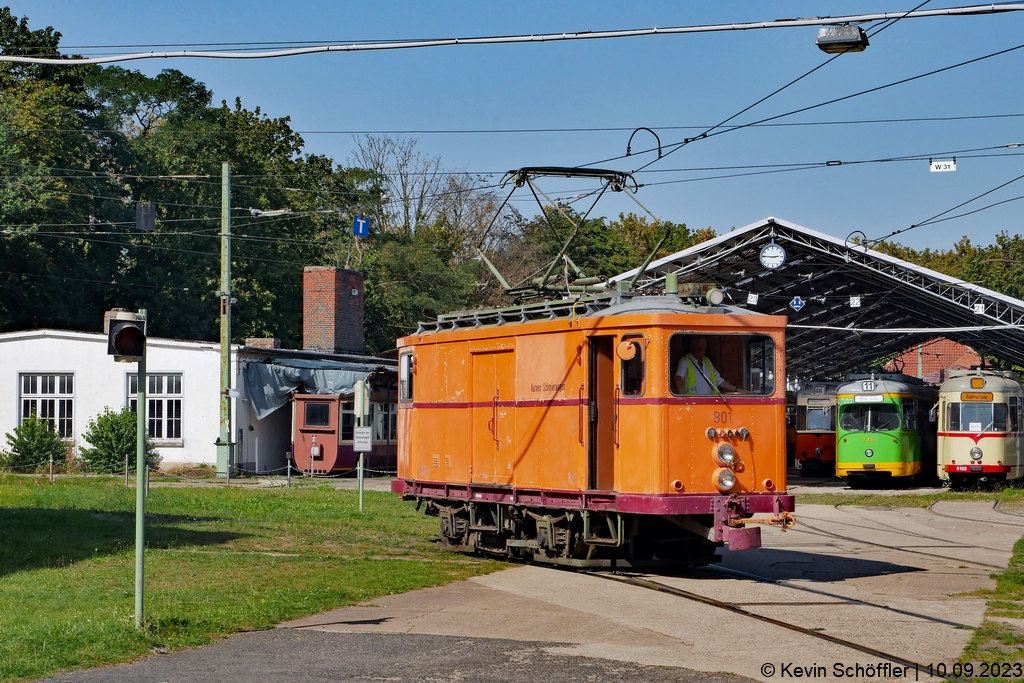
822	532
643	581
995	507
875	524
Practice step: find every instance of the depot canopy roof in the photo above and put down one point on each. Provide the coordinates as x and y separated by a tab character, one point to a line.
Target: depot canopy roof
901	304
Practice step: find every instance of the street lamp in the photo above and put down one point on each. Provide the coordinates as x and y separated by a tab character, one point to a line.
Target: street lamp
840	39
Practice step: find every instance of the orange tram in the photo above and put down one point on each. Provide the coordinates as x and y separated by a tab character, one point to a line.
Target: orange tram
555	432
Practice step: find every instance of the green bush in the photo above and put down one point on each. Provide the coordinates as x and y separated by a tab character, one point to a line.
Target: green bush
33	441
112	436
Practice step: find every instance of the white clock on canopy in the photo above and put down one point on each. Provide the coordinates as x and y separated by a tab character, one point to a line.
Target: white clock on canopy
772	256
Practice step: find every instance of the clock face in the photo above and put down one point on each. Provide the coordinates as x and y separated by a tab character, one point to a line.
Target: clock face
772	256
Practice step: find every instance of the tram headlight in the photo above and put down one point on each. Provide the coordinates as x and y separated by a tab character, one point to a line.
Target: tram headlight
976	453
868	452
725	455
817	451
724	479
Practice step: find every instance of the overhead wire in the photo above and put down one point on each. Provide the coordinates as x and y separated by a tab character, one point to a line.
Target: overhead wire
133	285
517	131
775	92
674	147
511	39
931	220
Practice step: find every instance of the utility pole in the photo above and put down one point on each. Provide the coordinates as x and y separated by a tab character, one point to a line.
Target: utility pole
224	459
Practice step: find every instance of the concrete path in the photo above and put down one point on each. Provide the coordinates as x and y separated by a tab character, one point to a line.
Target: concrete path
888	579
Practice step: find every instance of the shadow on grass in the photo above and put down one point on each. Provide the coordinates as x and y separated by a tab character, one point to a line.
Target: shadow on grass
34	538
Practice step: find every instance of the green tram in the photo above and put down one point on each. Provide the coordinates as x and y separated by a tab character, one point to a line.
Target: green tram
886	427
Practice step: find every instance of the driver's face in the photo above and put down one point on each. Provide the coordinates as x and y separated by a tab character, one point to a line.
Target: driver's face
699	347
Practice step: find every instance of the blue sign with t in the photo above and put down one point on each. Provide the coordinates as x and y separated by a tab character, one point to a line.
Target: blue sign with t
361	226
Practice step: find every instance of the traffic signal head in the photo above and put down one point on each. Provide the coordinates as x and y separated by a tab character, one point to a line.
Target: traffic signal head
126	335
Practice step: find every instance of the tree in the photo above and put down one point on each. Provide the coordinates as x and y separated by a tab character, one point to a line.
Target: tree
113	439
414	277
33	443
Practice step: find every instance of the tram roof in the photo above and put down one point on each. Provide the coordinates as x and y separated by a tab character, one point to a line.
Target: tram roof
902	304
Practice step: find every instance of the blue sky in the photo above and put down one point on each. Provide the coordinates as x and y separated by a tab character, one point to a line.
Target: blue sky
660	81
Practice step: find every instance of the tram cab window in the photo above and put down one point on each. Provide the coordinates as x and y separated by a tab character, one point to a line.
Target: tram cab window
818	418
873	417
405	373
1015	405
909	414
746	361
977	417
318	414
632	380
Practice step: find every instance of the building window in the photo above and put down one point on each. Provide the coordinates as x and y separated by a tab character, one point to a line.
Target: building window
163	399
50	398
394	422
385	422
348	420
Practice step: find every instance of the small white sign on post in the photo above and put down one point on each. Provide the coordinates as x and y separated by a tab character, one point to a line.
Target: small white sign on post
363	439
942	165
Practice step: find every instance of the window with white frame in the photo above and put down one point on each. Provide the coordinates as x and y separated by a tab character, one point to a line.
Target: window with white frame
385	422
50	397
163	400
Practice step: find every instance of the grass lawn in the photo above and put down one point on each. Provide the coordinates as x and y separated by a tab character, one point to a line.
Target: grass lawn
1009	497
218	560
1001	637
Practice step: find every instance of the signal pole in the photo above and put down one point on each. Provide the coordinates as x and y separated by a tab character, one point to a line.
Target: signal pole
224	441
141	410
126	342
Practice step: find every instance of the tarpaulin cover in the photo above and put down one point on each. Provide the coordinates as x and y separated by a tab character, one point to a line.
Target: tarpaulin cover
270	384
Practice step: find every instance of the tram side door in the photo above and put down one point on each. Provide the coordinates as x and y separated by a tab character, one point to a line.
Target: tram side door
600	413
493	417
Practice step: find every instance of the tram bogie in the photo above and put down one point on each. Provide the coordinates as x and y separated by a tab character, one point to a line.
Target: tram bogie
570	440
886	428
980	437
815	447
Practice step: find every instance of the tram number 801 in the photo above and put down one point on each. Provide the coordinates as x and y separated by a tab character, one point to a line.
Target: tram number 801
724	417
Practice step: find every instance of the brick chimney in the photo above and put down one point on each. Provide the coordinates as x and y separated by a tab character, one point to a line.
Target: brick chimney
332	310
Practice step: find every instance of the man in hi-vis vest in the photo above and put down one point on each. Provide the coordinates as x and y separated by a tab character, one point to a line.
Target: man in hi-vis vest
695	375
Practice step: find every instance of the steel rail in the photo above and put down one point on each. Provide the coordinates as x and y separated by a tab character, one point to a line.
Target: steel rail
527	38
736	609
841	507
805	525
979	521
854	601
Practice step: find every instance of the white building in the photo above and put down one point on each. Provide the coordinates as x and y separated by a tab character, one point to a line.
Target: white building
68	378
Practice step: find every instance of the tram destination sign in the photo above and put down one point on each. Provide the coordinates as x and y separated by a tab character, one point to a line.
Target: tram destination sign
976	396
868	398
